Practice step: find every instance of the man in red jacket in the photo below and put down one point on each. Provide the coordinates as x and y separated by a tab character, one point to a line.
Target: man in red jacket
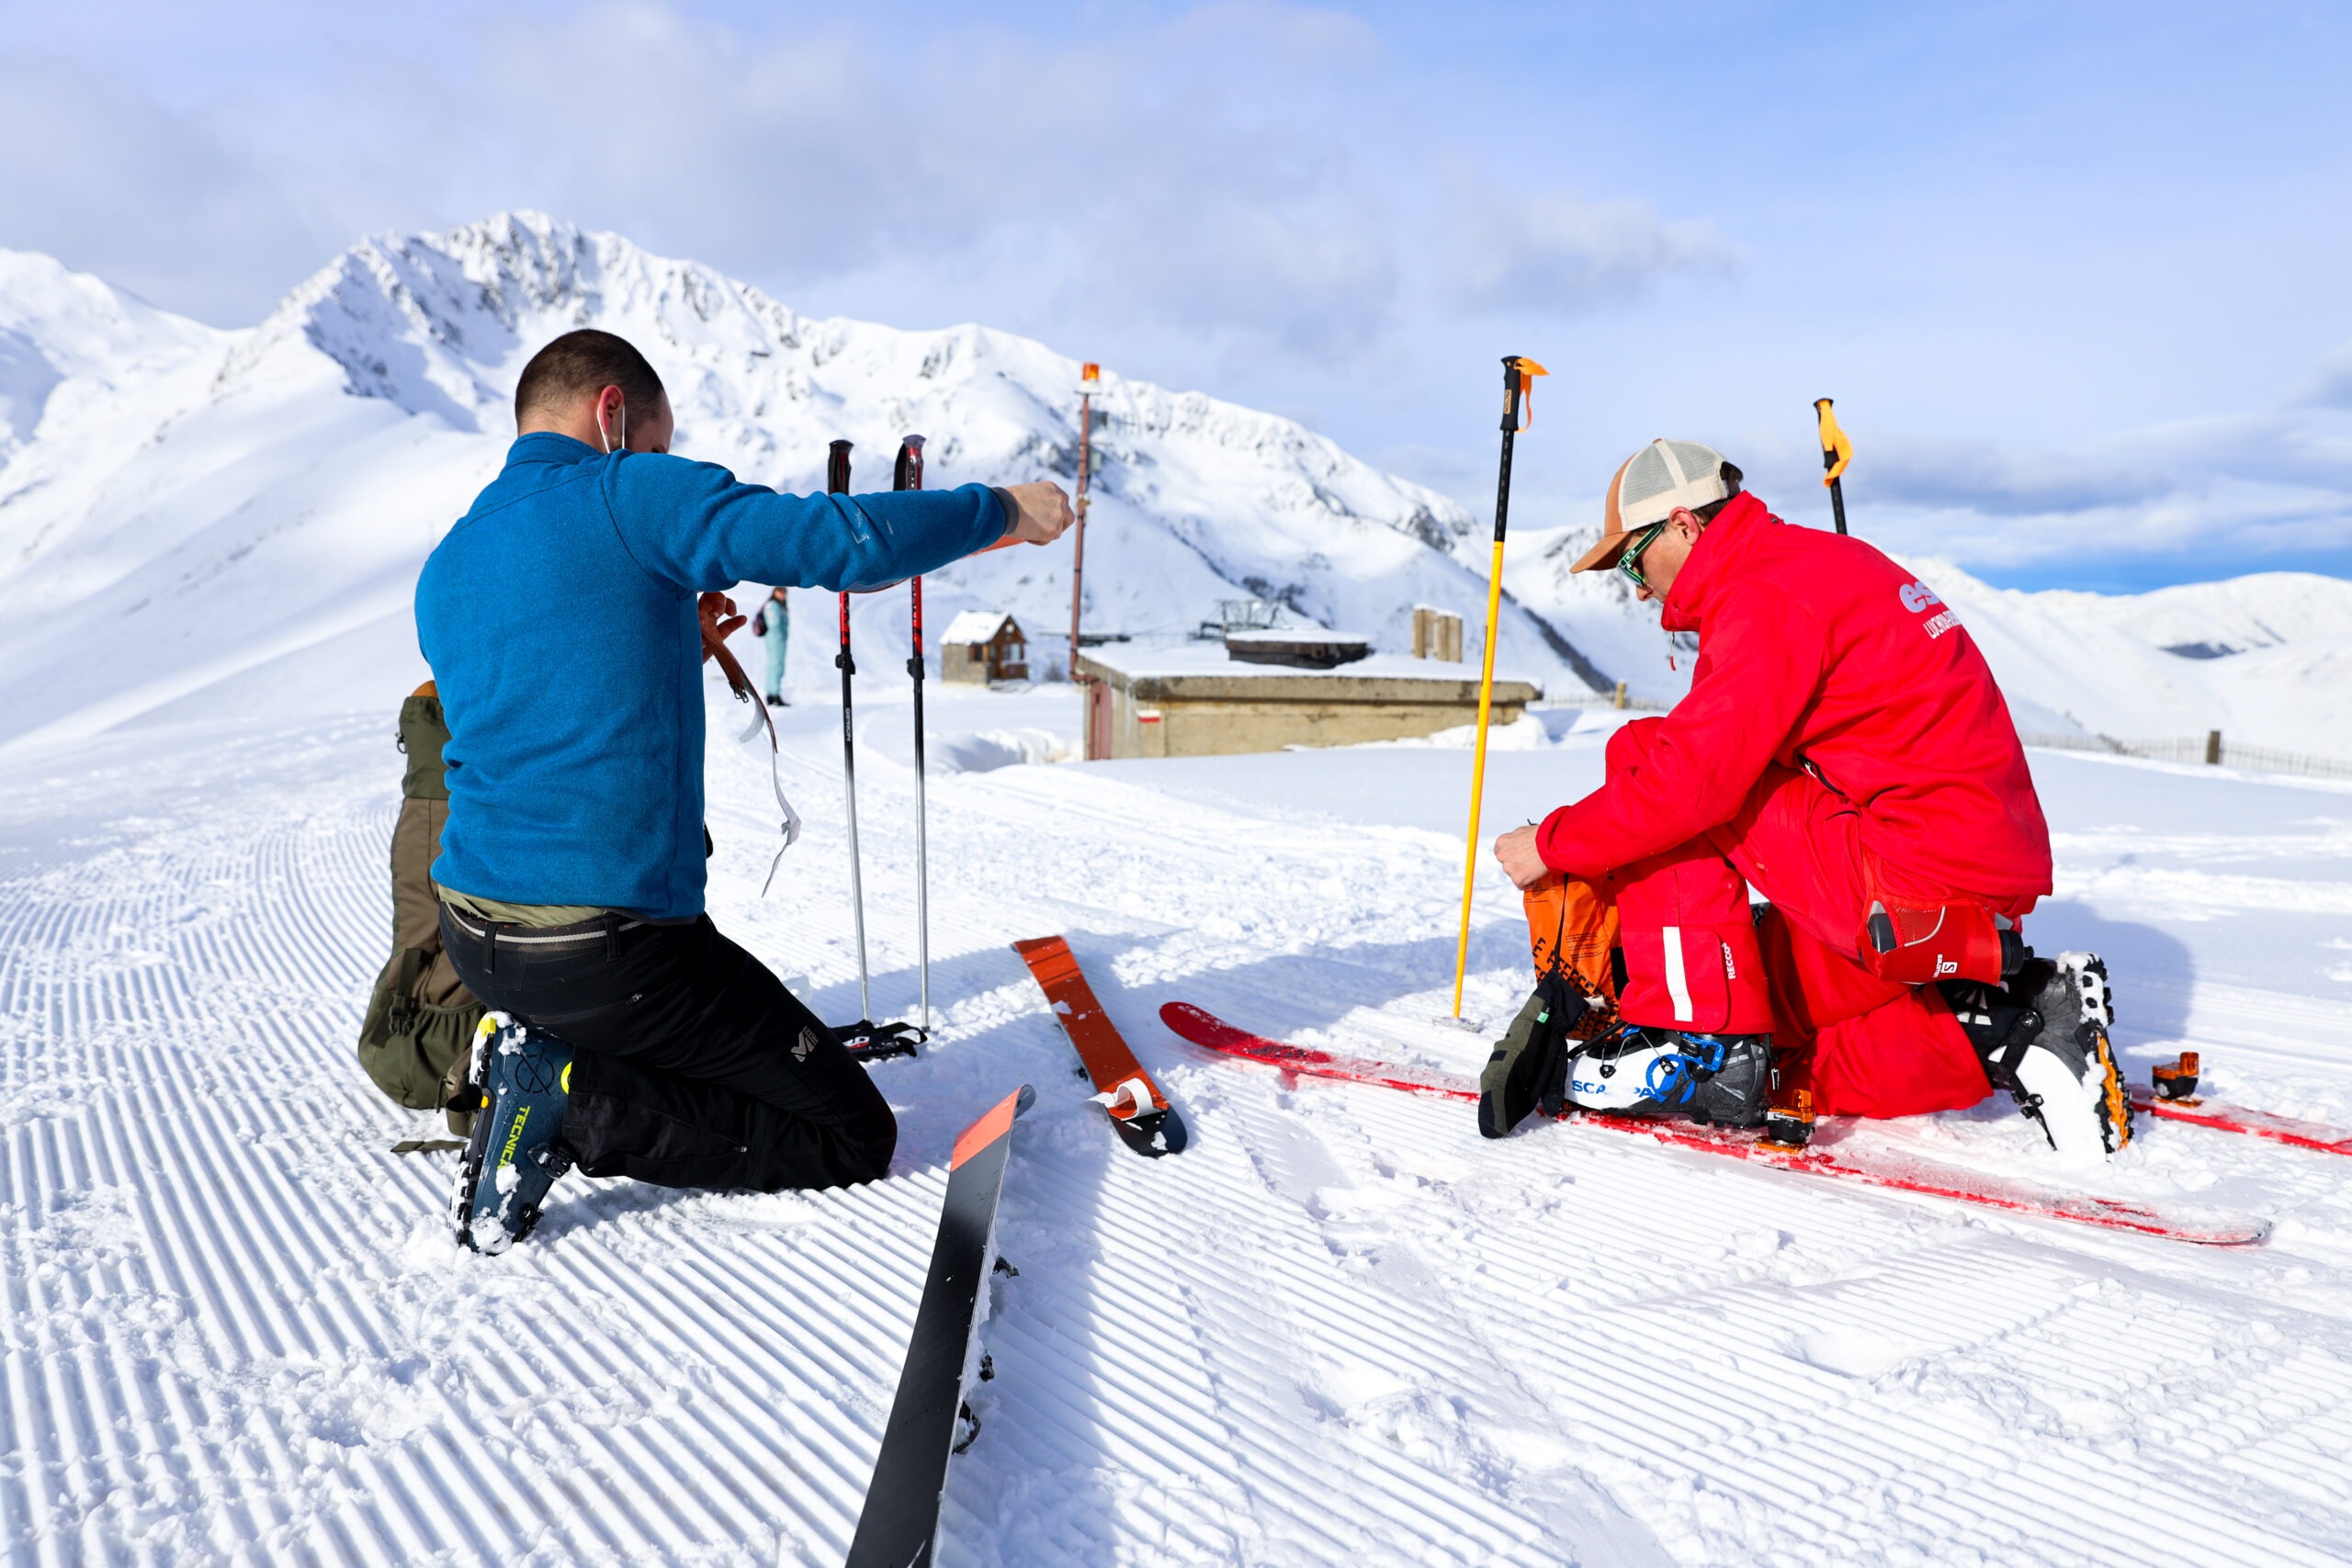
1844	750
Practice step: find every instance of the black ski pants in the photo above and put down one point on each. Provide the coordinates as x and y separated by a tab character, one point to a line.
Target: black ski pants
696	1068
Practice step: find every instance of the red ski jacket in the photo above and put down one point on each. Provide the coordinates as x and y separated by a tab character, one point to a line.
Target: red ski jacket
1818	652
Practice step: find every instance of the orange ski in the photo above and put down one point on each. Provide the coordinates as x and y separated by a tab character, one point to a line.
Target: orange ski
1139	1112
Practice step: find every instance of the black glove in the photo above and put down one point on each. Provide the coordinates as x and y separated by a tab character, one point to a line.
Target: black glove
1530	1067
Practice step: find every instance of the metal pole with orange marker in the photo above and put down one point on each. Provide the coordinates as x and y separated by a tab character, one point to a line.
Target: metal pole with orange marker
1836	453
1519	384
1090	379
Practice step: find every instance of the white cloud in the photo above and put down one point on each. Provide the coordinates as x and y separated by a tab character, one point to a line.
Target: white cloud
1246	177
1552	253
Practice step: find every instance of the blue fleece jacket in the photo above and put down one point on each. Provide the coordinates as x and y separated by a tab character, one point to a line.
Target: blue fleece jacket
576	736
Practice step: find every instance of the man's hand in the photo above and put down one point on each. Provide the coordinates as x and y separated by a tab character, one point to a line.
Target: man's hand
1045	514
718	621
1516	852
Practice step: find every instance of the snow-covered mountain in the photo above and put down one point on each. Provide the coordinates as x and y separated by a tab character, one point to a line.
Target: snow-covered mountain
193	519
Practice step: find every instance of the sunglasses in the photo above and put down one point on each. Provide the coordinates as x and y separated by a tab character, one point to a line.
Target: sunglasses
1629	563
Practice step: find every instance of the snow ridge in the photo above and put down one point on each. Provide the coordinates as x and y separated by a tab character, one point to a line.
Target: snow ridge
244	513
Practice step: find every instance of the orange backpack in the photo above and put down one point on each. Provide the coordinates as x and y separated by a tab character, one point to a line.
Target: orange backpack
1573	930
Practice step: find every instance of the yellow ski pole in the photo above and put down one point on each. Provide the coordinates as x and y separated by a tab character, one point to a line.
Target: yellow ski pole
1518	381
1836	453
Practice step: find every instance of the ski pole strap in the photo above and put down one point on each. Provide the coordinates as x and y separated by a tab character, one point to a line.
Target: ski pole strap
1519	383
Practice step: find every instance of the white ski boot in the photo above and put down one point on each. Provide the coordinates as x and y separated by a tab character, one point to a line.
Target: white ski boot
2043	1037
1719	1079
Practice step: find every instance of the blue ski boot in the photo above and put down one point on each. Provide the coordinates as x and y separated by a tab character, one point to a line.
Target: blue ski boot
521	1082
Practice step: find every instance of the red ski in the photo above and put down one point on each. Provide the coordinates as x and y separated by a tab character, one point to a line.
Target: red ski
1139	1114
2223	1117
2209	1227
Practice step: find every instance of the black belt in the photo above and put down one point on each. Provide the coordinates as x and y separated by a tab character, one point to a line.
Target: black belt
605	928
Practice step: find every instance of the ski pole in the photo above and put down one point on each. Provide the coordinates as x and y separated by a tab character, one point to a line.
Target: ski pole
1836	453
837	483
908	475
1519	380
1089	377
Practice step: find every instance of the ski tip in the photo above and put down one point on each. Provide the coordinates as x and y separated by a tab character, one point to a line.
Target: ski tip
995	1124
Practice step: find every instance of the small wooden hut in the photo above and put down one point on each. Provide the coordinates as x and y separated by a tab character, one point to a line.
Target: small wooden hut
981	646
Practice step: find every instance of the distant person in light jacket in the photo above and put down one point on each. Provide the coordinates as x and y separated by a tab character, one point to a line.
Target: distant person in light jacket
773	622
638	1041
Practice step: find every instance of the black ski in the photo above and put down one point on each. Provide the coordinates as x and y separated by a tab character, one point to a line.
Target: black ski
900	1519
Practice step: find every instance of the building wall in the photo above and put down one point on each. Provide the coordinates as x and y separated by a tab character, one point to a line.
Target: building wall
965	663
1223	715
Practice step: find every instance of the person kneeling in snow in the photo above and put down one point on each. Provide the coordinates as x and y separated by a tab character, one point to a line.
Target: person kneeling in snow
625	1034
1844	750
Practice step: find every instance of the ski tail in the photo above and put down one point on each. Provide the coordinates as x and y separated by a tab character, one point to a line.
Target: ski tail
901	1519
1139	1112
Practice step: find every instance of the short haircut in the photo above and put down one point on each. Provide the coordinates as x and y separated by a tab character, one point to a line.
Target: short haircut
581	364
1731	476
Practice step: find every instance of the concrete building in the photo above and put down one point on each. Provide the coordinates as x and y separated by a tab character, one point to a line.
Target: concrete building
1195	701
980	646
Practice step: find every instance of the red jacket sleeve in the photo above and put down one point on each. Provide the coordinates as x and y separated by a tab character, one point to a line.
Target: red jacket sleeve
1761	667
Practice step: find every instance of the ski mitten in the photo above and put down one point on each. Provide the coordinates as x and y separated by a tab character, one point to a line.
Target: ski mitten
1528	1068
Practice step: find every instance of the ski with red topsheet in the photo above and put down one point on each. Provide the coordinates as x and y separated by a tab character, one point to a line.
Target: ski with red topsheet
1139	1114
2223	1117
2211	1227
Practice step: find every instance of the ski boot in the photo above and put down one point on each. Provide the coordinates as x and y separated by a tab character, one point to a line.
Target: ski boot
519	1086
2043	1037
1723	1081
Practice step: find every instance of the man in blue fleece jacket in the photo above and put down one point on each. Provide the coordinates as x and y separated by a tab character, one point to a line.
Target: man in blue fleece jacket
571	865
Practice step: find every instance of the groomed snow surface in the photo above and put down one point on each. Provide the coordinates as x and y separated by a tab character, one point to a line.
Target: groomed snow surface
1339	1328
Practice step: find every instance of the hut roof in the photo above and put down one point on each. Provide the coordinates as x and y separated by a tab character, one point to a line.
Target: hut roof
977	626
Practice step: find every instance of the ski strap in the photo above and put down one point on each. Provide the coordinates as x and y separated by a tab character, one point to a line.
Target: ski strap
709	607
1128	1099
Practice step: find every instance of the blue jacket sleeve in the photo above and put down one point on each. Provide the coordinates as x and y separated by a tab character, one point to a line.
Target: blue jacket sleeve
697	526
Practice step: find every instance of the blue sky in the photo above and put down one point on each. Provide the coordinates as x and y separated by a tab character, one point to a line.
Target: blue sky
2076	273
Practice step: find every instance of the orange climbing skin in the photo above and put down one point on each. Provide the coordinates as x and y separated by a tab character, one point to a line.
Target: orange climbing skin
1109	1062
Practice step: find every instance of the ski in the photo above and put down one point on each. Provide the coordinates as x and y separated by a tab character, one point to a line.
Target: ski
2209	1227
2223	1117
1139	1114
900	1519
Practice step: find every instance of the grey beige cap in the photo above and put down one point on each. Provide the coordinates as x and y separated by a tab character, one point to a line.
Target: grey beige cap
1649	487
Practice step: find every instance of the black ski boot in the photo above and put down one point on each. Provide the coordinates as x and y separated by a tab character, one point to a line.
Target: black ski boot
1724	1080
521	1085
2043	1038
